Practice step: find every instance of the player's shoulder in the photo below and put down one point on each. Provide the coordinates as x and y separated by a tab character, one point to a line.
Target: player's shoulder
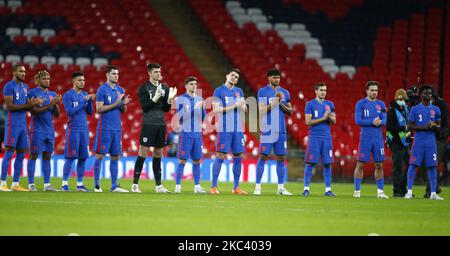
381	102
329	102
311	102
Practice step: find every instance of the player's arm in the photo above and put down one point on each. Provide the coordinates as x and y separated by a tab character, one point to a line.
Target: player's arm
146	103
101	107
286	108
90	104
359	113
311	122
332	118
39	109
71	110
10	106
383	116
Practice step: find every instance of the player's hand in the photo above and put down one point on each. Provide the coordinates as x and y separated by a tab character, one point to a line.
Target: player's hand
55	100
126	99
377	121
279	95
40	101
326	115
34	102
172	93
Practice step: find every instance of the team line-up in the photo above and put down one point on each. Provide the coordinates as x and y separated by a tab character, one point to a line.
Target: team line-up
156	98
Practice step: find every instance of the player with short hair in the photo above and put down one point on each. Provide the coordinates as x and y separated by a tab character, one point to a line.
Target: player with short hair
111	102
425	120
16	136
156	99
319	115
273	103
42	132
228	102
78	104
370	114
191	113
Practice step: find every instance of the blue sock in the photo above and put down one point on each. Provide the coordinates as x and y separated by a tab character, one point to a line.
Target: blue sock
327	175
411	175
432	177
18	164
114	169
5	163
280	172
357	184
80	169
260	170
31	168
67	169
196	172
179	173
237	167
47	170
307	174
217	165
97	170
380	183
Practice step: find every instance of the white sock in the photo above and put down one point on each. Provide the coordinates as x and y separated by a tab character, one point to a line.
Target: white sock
3	183
280	186
197	186
306	188
258	186
379	191
357	191
15	184
327	189
433	193
65	182
177	186
46	185
31	184
410	191
79	183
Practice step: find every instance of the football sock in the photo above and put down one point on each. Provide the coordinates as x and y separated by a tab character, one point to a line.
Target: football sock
327	175
280	172
432	177
5	163
97	170
31	168
196	172
217	165
67	169
307	174
114	169
80	169
380	183
18	166
411	175
260	170
357	184
237	167
138	165
157	170
46	169
179	173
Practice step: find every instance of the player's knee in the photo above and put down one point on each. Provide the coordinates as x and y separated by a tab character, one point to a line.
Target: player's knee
280	158
35	156
10	149
22	150
143	151
157	152
182	161
237	155
327	165
100	156
221	155
116	157
263	157
196	161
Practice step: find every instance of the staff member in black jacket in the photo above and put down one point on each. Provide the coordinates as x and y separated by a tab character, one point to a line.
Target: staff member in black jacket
155	98
396	138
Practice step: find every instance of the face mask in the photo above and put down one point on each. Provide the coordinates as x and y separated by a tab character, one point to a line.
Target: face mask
401	103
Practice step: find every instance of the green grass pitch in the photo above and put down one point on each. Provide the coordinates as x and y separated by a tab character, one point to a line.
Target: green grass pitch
60	213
